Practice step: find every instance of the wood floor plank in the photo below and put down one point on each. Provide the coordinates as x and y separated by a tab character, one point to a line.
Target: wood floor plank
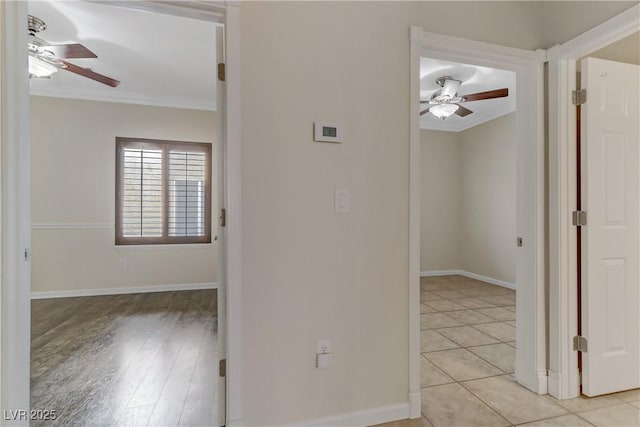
136	417
124	359
171	401
202	394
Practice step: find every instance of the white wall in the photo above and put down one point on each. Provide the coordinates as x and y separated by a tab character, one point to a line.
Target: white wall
469	200
440	202
73	197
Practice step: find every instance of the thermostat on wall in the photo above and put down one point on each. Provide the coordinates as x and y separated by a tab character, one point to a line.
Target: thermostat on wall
327	132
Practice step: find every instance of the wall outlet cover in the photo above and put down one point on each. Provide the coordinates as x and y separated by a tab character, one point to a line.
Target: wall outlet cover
323	347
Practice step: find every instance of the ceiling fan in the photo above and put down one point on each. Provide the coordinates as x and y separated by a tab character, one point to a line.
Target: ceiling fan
446	101
45	58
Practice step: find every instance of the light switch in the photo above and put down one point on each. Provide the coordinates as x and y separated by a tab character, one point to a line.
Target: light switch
343	201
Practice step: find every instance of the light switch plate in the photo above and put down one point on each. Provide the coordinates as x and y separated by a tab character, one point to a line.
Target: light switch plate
342	201
323	361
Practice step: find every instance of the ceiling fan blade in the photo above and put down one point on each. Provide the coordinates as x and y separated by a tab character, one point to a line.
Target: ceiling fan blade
462	111
490	94
85	72
71	50
423	112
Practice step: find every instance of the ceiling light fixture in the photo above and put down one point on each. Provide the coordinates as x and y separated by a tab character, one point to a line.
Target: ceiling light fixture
442	111
39	68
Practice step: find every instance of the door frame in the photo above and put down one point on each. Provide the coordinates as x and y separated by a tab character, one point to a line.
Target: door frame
15	193
530	369
564	382
15	279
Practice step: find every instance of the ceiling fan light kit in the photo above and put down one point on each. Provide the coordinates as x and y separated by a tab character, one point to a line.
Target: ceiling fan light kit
446	101
39	68
46	59
442	111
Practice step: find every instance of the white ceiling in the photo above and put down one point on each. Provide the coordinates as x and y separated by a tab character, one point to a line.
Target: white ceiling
159	59
474	79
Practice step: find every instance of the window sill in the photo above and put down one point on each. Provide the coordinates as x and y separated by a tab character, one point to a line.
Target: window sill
167	246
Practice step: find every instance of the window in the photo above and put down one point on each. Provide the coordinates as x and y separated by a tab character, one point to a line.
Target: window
163	192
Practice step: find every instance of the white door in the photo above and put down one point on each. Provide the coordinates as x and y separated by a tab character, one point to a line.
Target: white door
221	234
610	123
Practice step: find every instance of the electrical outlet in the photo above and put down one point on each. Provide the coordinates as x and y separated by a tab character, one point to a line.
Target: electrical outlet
324	347
123	263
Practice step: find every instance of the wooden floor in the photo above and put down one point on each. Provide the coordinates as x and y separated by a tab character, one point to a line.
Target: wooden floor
121	360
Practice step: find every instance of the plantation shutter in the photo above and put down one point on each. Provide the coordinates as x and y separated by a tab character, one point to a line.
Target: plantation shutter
142	192
163	192
187	192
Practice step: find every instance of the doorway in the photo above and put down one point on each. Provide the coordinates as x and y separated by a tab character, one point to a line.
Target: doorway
564	379
608	248
16	194
610	245
530	365
468	236
142	313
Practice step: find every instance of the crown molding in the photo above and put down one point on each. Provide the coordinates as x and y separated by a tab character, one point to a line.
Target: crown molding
126	98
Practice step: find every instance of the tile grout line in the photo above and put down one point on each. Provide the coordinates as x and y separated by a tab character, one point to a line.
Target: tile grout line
486	404
467	349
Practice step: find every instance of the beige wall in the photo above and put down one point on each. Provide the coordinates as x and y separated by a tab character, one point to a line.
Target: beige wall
73	197
488	199
440	201
308	273
469	200
626	50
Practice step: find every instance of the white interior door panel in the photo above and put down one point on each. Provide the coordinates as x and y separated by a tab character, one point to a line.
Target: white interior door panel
610	123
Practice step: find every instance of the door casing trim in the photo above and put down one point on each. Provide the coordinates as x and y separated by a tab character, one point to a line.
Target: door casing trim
15	193
563	296
530	367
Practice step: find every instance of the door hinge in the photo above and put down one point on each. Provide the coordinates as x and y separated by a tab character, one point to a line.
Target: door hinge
579	218
27	254
222	219
579	344
579	97
519	242
223	367
222	72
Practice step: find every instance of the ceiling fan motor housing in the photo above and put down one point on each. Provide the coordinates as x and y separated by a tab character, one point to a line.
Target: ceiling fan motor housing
449	92
35	25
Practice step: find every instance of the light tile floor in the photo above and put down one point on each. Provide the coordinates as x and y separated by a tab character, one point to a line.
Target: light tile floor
468	353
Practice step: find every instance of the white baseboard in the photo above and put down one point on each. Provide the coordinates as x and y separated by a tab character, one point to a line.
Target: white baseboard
435	273
491	280
543	382
487	279
367	417
415	404
553	384
122	290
